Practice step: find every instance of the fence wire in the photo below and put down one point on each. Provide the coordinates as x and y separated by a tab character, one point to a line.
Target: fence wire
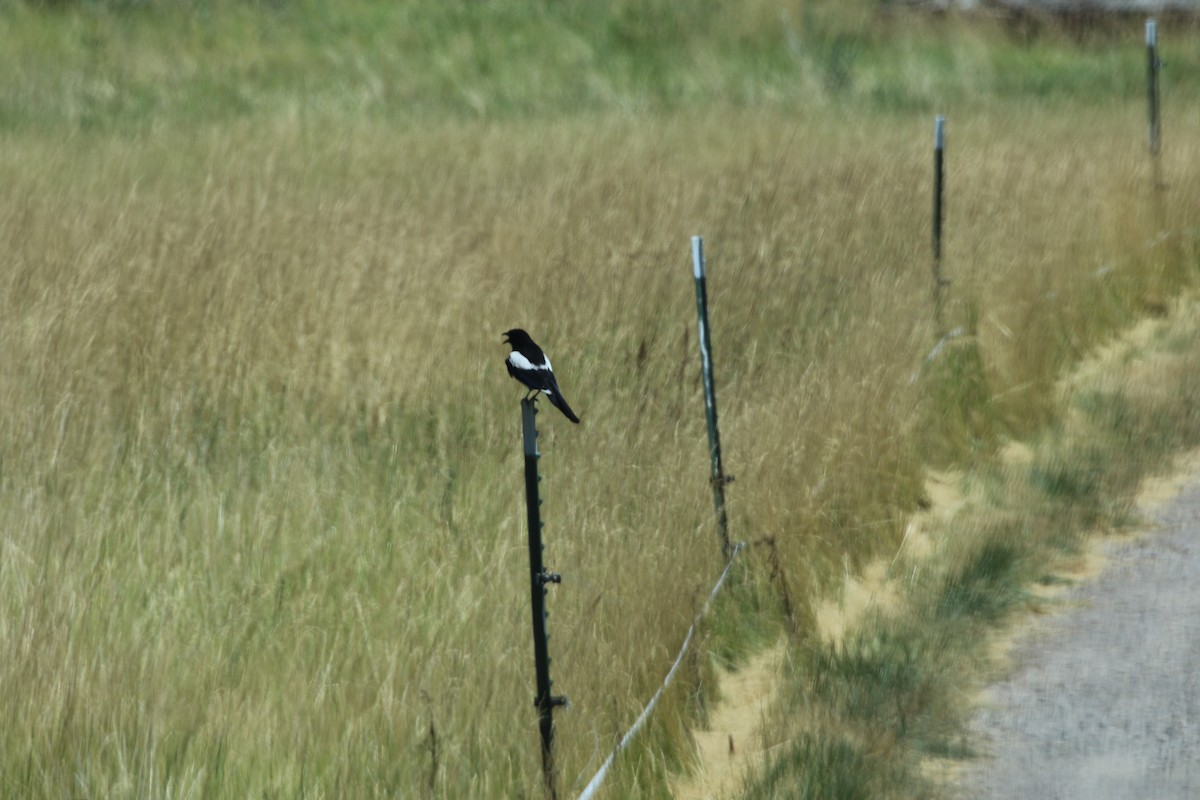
594	785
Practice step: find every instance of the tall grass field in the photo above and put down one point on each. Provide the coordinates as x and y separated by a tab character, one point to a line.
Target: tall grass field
262	530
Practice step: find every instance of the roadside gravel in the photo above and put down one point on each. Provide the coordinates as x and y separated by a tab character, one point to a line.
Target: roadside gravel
1103	701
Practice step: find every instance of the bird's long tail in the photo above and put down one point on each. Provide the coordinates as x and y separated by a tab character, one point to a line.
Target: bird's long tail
560	402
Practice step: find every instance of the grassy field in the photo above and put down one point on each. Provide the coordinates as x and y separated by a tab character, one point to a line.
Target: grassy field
260	481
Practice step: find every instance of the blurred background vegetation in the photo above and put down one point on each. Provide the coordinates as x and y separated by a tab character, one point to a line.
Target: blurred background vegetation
134	65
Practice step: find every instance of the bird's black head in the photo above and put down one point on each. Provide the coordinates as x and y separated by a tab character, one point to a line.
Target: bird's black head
517	338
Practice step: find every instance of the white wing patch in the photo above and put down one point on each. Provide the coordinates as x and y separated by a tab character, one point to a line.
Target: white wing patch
521	362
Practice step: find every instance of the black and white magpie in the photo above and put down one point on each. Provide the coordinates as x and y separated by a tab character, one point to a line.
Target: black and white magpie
528	364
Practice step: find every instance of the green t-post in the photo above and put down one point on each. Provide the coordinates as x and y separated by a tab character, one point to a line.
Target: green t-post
544	700
719	478
1152	90
939	279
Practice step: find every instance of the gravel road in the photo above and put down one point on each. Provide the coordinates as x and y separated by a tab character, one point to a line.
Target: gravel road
1104	698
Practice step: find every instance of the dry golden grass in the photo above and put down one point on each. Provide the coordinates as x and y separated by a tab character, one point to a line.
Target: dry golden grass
260	497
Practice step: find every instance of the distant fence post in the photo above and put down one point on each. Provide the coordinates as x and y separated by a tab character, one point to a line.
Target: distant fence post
719	478
1152	90
939	280
544	701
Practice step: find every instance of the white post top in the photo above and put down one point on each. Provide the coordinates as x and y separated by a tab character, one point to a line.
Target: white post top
1151	33
939	133
698	256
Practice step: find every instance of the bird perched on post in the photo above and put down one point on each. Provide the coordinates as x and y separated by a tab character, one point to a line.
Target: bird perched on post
528	364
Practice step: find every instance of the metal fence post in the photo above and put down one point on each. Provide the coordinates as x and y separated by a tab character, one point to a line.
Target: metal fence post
719	478
1152	90
939	280
544	700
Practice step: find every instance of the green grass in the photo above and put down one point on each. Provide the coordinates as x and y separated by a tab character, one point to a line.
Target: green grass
135	67
823	766
260	501
961	420
983	587
881	675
